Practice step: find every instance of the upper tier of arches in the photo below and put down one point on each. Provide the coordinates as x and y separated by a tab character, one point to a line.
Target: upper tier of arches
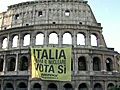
58	38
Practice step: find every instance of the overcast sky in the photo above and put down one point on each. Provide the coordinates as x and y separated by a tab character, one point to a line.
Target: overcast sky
106	12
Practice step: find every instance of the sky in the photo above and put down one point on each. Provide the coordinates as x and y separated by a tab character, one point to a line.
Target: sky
107	12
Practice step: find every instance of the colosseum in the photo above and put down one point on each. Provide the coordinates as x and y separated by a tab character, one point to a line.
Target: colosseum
55	24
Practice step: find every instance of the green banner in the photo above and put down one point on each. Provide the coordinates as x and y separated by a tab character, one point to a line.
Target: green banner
51	63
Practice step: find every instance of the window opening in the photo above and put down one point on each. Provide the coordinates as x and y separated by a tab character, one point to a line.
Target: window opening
53	38
82	64
15	41
67	39
39	39
26	40
16	16
96	64
80	39
40	13
23	63
67	13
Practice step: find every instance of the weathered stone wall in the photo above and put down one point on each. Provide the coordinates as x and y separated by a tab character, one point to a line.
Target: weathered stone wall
94	67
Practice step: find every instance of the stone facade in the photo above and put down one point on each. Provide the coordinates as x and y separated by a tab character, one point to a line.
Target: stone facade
36	24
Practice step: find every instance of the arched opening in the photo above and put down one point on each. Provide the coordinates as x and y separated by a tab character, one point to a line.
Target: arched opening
96	64
109	64
23	63
67	13
53	38
68	87
15	41
5	43
9	86
11	64
67	39
110	86
1	64
80	39
52	86
83	86
17	16
39	39
36	86
82	64
26	40
98	86
93	40
22	86
40	13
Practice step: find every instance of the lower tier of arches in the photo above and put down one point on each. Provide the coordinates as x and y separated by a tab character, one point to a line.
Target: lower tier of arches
24	83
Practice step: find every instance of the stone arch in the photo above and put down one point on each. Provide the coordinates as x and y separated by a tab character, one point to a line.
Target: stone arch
52	86
22	86
83	86
9	86
67	38
26	39
68	86
1	64
53	38
96	64
82	65
4	42
94	39
39	39
109	64
98	86
80	38
110	86
15	41
23	63
37	86
11	64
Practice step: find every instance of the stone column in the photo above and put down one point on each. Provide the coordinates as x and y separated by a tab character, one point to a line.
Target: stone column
32	39
74	39
4	64
90	86
59	87
15	84
75	62
114	63
2	85
105	85
1	43
98	41
20	40
103	65
76	88
46	38
90	63
29	86
88	39
60	39
44	86
16	65
9	41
